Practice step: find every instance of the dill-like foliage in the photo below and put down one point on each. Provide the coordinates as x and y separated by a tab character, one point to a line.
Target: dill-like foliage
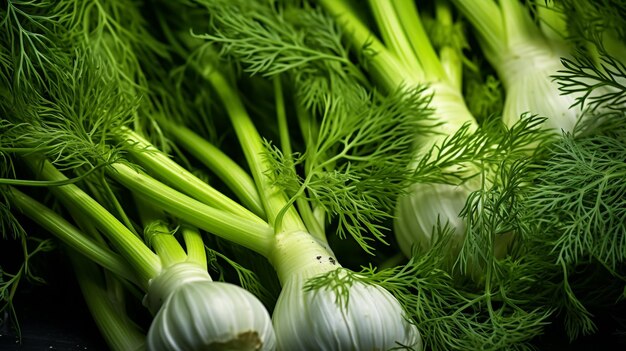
580	194
73	123
461	155
590	20
598	87
117	32
358	143
28	42
357	165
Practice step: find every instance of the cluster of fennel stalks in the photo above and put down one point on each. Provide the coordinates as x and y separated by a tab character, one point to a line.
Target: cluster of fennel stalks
137	220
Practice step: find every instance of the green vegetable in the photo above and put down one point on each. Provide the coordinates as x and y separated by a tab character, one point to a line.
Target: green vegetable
527	55
72	115
345	167
298	256
180	279
458	157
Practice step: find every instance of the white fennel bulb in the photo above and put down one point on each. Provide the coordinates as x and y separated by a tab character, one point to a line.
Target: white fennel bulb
344	313
196	313
527	74
526	60
419	211
371	319
430	205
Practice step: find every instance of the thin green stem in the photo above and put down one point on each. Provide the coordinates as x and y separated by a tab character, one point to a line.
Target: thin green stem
281	118
158	235
383	65
443	12
46	183
449	104
117	289
194	244
552	21
163	167
70	235
120	333
408	16
308	126
313	222
86	226
487	18
309	132
251	234
519	26
145	262
299	195
274	199
119	209
302	204
99	193
450	57
235	177
318	212
396	36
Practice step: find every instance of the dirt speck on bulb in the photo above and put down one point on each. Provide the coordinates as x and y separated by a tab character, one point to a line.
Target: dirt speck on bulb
246	341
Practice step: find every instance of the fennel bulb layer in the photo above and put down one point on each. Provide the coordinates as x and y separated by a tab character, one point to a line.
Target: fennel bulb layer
423	208
530	88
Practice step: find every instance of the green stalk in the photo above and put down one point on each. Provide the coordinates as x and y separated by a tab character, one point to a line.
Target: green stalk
178	177
235	177
194	244
401	26
487	18
70	235
281	118
120	333
519	27
395	36
274	199
449	103
450	57
145	262
116	288
304	207
158	235
308	128
103	193
86	226
293	251
423	51
251	234
298	254
384	66
552	21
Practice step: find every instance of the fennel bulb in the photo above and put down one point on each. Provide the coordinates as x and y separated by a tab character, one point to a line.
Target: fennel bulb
370	318
196	313
526	73
335	309
525	58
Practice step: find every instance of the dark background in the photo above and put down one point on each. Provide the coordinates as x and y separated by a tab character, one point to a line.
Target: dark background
51	316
